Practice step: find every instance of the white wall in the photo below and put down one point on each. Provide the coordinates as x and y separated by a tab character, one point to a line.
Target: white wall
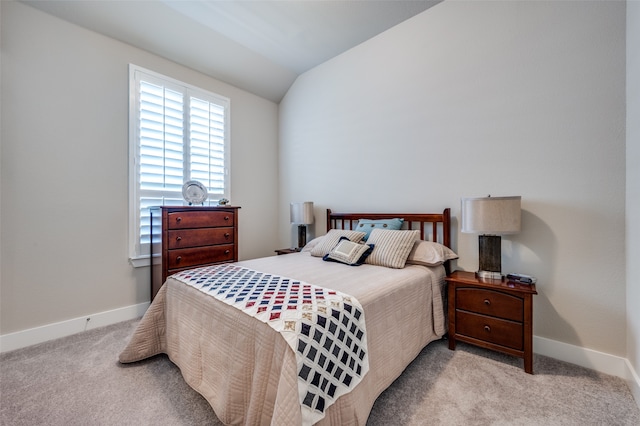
476	98
65	164
633	192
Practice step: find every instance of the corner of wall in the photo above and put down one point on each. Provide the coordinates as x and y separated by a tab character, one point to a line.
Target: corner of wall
634	382
632	188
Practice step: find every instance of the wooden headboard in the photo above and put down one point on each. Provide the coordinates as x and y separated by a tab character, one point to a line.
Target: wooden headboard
433	226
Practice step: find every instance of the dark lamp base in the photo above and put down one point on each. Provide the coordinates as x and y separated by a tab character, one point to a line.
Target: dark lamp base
302	236
490	254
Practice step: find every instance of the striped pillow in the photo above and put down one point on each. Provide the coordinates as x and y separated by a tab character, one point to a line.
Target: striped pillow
391	248
331	238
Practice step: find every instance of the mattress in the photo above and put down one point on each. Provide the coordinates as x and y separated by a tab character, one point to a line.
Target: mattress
246	370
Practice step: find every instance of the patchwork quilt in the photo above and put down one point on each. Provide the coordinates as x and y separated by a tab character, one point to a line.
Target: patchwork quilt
325	328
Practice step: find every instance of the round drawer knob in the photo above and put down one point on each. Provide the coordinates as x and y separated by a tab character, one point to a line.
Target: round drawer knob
487	302
227	235
226	218
178	259
178	219
487	329
227	252
178	238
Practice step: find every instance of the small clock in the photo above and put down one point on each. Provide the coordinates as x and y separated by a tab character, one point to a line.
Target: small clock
194	192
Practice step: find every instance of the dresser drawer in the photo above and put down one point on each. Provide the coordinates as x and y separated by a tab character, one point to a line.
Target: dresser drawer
490	302
488	329
183	238
199	219
182	258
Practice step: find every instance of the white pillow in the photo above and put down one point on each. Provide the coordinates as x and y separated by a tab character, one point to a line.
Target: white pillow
311	244
331	238
429	253
391	248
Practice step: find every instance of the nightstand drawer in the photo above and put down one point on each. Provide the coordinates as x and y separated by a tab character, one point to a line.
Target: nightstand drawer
490	302
182	238
488	329
199	219
200	255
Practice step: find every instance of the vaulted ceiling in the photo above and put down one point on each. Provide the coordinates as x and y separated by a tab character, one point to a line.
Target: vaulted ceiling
259	46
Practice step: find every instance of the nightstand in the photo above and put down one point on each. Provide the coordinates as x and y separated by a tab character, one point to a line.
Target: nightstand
287	251
493	314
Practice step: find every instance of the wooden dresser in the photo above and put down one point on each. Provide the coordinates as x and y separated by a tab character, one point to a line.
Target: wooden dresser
493	314
188	237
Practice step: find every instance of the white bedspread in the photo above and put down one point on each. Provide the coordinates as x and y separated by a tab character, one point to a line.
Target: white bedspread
246	370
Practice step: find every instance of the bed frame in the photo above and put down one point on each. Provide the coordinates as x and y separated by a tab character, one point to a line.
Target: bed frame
434	227
411	221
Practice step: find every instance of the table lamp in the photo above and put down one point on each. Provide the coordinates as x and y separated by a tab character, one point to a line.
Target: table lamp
490	217
301	214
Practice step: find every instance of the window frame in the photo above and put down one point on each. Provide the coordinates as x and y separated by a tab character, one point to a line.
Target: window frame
138	253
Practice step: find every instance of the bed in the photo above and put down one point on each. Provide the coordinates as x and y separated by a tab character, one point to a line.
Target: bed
251	375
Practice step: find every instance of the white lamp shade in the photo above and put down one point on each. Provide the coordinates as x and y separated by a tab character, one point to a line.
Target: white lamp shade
302	213
491	215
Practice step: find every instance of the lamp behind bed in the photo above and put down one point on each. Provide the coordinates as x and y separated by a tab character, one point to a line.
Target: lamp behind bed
302	215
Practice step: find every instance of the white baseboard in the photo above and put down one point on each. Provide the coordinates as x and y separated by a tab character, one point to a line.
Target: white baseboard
32	336
595	360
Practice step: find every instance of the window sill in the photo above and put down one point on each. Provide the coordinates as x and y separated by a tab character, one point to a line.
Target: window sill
139	262
142	261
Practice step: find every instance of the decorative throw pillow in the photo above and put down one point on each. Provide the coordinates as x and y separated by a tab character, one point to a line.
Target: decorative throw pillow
368	225
331	238
348	252
391	247
429	253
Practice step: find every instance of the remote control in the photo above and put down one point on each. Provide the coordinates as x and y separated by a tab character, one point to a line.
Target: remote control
521	278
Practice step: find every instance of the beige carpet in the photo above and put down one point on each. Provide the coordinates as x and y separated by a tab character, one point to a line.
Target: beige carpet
78	381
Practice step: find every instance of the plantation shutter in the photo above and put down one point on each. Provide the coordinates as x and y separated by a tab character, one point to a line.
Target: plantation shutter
161	155
207	135
180	135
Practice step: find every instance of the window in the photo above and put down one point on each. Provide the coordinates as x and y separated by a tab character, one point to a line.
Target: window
177	133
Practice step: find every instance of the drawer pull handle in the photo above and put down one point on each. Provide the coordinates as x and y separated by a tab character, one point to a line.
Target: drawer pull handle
487	329
178	238
178	219
227	252
487	302
178	259
226	235
226	218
